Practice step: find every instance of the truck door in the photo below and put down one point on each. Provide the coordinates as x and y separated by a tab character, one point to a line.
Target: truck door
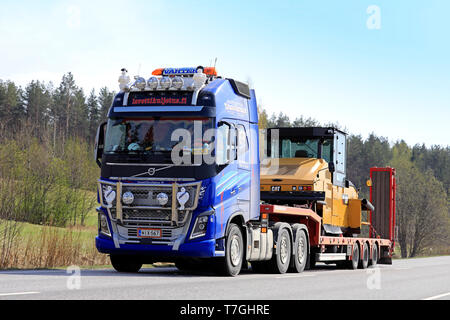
340	206
243	158
339	156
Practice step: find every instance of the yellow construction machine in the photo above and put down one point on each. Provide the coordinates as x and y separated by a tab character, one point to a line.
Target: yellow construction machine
306	167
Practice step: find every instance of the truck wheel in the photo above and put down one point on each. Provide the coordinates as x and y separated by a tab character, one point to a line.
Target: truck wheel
124	264
374	260
300	251
364	263
280	261
234	252
353	264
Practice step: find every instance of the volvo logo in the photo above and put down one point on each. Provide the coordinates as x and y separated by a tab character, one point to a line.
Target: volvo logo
152	171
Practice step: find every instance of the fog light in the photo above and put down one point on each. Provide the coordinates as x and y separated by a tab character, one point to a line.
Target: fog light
128	197
165	83
177	83
153	83
140	83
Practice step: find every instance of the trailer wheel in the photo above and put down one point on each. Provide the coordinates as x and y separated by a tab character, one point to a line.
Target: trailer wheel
234	252
300	251
124	264
374	260
353	264
364	262
280	261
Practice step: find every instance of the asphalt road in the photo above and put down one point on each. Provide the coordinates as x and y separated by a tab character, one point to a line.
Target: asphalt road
423	278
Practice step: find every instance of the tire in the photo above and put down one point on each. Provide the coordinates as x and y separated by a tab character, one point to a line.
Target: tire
300	251
125	264
374	260
234	253
353	264
364	262
281	259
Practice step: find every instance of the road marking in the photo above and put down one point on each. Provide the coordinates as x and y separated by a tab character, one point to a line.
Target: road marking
438	296
17	293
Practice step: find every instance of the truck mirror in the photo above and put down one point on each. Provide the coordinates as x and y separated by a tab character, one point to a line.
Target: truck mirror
99	144
331	167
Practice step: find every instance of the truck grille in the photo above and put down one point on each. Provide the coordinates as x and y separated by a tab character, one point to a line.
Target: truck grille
146	208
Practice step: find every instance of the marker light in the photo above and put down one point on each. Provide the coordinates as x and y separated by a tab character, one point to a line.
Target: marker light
165	83
153	83
177	83
158	72
140	83
209	71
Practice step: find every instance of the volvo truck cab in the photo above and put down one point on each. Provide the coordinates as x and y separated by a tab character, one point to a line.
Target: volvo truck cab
179	180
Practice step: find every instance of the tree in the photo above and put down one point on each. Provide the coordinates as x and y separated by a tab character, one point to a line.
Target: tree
63	101
105	100
11	107
94	115
37	102
422	210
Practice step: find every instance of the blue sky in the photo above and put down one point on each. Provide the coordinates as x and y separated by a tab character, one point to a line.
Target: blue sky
312	58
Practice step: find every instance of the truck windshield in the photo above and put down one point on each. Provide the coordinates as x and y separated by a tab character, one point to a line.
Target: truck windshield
150	136
306	148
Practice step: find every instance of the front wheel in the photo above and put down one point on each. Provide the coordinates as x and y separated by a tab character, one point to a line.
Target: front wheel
234	252
124	264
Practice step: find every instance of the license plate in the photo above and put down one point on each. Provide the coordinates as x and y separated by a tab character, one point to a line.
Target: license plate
275	188
149	233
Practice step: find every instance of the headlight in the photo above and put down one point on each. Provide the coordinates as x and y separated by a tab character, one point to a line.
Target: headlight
128	197
140	83
103	224
200	227
177	83
165	83
153	83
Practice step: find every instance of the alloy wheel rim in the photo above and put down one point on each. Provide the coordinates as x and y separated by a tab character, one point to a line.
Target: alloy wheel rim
235	251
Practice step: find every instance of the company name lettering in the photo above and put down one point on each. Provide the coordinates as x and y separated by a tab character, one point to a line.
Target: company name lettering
158	101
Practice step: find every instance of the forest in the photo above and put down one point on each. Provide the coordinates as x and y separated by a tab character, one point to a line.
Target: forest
48	175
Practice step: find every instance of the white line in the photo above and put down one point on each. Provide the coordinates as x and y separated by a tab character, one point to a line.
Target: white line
438	297
17	293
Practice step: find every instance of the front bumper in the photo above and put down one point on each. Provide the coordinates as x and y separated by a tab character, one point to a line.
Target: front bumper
195	249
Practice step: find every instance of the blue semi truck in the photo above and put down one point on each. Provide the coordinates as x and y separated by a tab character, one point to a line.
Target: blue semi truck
180	182
179	171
